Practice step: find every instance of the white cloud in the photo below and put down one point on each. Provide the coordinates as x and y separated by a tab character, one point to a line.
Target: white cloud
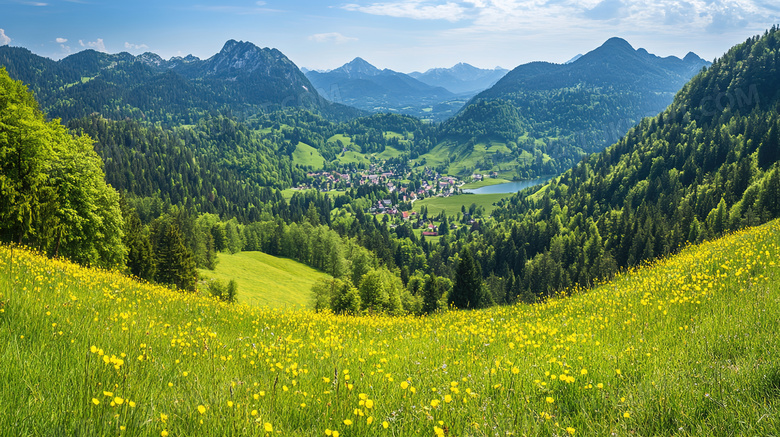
98	45
39	4
4	39
61	40
130	46
415	9
626	16
333	37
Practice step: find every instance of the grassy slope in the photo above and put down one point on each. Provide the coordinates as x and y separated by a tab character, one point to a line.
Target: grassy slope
266	280
307	155
462	161
484	183
687	346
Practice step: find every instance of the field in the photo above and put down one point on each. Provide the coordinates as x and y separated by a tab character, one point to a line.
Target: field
266	280
685	346
452	205
307	155
484	183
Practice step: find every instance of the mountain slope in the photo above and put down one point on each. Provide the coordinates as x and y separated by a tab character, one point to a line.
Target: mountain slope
242	78
266	280
706	165
366	87
461	78
567	110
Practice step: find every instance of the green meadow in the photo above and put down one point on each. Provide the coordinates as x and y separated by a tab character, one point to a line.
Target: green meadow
266	280
685	346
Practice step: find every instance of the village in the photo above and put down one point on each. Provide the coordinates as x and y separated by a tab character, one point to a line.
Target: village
403	188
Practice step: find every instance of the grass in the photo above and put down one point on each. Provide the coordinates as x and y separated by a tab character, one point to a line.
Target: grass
352	157
464	163
452	205
389	152
484	183
347	141
687	346
307	156
266	280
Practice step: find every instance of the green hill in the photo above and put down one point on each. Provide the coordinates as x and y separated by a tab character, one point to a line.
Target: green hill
564	111
266	280
686	346
693	172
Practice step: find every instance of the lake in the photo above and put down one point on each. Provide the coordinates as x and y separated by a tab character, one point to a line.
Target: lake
509	187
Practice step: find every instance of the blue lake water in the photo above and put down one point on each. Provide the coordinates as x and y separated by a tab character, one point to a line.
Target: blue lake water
509	187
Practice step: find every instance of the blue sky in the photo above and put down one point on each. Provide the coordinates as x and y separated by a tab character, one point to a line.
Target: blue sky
404	35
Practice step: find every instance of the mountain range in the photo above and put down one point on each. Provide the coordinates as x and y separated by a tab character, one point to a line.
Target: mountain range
242	79
364	86
564	111
462	78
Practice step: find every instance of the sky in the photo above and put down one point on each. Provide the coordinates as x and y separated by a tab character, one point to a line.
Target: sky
403	35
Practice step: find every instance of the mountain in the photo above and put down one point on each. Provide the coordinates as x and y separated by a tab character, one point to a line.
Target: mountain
550	115
362	85
242	79
461	78
708	164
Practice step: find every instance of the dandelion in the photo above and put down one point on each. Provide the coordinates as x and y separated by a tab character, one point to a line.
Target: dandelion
404	385
201	409
369	403
570	430
447	399
549	400
626	415
119	401
385	424
435	403
268	427
164	433
95	401
347	422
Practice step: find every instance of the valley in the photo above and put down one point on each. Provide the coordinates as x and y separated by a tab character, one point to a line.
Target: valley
228	244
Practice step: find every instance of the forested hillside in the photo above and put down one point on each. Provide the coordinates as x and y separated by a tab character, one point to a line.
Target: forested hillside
240	81
565	111
706	165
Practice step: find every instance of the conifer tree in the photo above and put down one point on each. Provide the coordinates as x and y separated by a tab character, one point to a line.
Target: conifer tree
430	294
175	262
468	291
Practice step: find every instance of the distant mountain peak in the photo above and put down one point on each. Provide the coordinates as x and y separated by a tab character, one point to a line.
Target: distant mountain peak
232	44
360	66
616	42
693	57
